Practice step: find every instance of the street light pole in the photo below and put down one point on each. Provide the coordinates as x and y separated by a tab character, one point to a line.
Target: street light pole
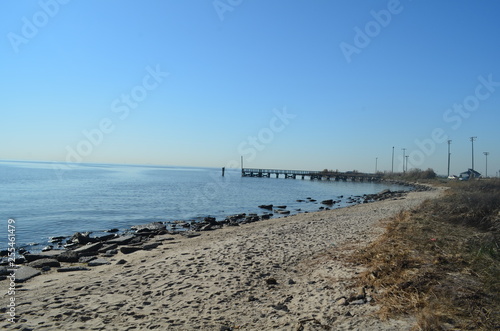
404	151
472	141
392	169
486	154
449	155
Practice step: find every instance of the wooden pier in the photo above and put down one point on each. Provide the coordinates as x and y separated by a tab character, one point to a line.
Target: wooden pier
318	175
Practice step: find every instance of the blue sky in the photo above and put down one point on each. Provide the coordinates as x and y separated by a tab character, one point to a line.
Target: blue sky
285	84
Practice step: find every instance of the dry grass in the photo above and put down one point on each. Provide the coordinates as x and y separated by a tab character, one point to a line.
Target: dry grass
441	262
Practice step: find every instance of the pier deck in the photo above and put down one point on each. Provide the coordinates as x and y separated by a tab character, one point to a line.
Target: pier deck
318	175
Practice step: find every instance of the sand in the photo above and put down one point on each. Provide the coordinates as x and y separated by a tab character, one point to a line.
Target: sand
279	274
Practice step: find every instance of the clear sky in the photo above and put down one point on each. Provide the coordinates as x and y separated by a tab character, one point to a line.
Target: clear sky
285	84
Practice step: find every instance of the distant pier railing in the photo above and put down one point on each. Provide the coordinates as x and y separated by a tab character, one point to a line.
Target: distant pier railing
318	175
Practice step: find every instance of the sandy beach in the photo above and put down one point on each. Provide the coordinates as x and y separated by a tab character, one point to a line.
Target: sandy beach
282	274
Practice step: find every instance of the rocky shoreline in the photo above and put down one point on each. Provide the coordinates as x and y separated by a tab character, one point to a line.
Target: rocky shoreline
89	251
284	273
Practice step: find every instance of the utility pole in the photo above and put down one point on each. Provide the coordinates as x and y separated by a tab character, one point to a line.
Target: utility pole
407	156
449	155
404	157
392	169
376	161
472	141
486	154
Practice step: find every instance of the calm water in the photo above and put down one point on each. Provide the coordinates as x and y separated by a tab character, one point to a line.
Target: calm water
46	202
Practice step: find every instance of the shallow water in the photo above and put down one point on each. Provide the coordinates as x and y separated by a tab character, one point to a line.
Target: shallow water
45	201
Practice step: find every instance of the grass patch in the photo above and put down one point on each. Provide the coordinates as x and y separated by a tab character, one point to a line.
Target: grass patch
441	261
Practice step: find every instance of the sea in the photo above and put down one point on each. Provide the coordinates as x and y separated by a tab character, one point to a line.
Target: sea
48	199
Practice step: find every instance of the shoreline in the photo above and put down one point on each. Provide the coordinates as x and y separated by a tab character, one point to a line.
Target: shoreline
269	274
58	242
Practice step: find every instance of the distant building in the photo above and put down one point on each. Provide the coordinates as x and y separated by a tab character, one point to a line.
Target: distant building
469	174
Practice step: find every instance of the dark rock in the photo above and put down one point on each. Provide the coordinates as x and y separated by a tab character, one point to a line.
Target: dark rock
137	240
24	273
268	207
251	219
106	237
154	226
111	252
80	238
190	234
281	306
271	281
4	271
327	202
71	245
86	259
56	239
68	256
44	263
210	220
71	269
121	240
281	207
266	217
150	246
357	302
44	255
89	249
112	230
145	233
129	249
51	254
20	260
105	248
98	262
122	261
291	282
47	248
206	227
